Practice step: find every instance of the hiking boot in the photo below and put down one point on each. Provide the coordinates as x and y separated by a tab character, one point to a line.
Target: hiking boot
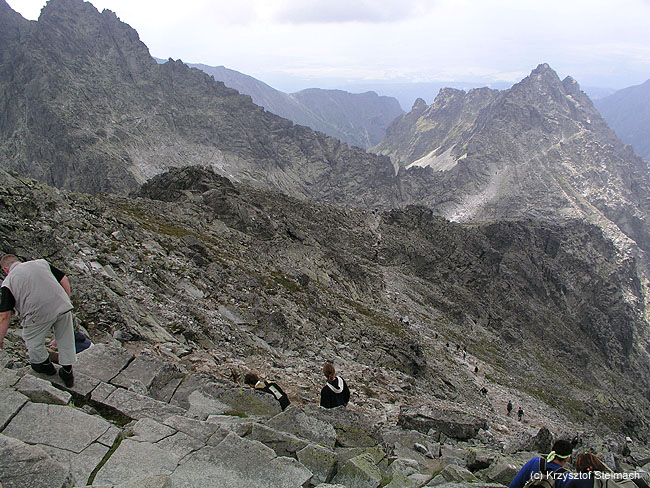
67	377
46	367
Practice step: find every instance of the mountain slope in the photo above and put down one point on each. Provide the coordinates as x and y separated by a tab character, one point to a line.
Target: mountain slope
539	149
227	276
628	112
356	119
86	107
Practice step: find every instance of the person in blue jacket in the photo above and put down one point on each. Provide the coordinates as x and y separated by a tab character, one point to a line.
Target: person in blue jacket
555	461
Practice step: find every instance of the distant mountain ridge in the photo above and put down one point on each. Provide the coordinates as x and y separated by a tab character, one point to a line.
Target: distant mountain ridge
628	112
87	108
358	119
538	150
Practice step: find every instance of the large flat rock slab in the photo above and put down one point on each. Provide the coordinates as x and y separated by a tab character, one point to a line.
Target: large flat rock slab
135	460
240	462
57	426
451	422
80	465
41	391
154	376
11	402
135	405
295	421
25	466
102	361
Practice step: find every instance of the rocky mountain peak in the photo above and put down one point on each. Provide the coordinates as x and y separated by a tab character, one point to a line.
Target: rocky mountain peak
419	105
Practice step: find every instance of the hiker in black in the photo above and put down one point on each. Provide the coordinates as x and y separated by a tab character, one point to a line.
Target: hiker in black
520	414
336	392
509	409
274	389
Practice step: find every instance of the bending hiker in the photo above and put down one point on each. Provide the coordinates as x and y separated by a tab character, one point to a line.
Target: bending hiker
40	294
336	392
274	389
520	414
509	408
553	464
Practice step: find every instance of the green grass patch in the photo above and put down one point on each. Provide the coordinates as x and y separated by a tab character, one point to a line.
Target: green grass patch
236	413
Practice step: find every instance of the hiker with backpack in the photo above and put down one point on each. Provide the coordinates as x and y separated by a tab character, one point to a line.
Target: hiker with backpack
509	408
548	472
594	473
274	389
520	414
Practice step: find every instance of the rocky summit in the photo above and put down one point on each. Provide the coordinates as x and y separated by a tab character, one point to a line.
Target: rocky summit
539	150
195	280
85	107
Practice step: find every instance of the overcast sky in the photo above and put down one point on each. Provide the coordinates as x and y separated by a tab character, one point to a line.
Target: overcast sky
601	43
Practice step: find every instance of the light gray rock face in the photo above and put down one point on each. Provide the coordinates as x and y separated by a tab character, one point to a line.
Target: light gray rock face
139	406
304	425
253	402
102	361
239	462
41	391
319	460
11	402
134	460
452	474
59	426
359	472
456	424
282	443
25	466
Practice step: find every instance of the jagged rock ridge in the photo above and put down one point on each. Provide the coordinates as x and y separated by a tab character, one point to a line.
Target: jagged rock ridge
539	150
358	119
87	108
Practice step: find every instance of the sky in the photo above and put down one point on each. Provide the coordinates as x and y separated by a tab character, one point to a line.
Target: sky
600	43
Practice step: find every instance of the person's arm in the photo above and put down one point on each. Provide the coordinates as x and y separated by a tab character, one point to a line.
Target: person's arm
61	278
65	283
4	326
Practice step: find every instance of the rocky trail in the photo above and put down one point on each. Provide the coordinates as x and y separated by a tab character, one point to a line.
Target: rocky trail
138	420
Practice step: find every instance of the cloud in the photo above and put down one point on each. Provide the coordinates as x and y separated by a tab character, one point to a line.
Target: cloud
344	11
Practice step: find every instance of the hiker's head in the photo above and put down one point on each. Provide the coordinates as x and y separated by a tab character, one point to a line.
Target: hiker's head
560	452
329	371
588	462
250	378
7	261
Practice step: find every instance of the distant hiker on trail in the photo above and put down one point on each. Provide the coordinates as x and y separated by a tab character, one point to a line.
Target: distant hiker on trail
484	390
476	369
336	392
40	294
274	389
509	408
554	462
520	414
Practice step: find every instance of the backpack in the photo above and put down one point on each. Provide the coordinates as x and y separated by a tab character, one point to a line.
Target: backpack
545	478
